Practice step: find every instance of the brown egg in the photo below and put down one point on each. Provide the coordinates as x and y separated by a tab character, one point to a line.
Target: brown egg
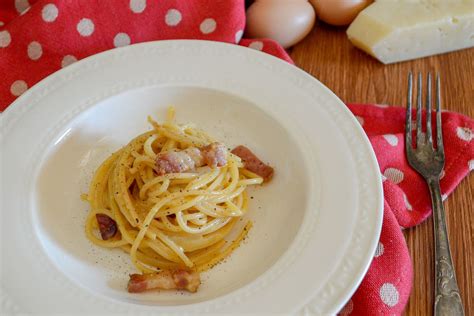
339	12
287	22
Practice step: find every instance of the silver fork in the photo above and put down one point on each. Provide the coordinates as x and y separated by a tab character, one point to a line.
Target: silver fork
429	162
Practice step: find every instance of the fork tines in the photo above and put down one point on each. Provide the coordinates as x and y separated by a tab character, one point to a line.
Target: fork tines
424	139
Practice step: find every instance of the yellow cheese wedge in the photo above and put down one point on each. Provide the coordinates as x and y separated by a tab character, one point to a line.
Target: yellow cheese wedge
398	30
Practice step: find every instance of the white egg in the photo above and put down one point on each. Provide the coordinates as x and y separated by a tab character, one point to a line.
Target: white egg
284	21
339	12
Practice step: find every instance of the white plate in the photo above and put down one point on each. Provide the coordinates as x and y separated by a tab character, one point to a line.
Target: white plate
316	224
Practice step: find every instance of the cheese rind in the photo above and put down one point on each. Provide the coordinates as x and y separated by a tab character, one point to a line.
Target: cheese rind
394	31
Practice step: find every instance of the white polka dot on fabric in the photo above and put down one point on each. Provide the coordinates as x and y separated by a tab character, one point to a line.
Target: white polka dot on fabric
18	88
382	106
394	175
464	133
407	203
5	39
360	119
391	139
444	197
67	60
35	50
49	13
121	39
257	45
379	250
21	5
238	36
173	17
137	6
208	26
470	164
1	23
85	27
389	294
347	309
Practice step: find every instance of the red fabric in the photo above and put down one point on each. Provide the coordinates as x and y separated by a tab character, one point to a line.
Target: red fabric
386	288
56	27
40	40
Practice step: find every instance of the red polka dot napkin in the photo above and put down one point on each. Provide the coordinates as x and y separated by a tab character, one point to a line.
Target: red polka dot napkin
387	285
38	37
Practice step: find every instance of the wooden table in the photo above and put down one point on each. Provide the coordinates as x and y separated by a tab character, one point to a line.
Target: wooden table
356	77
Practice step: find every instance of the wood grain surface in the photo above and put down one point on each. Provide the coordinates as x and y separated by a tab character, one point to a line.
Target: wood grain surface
356	77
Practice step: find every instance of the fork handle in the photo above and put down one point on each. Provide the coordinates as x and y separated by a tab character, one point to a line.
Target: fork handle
447	299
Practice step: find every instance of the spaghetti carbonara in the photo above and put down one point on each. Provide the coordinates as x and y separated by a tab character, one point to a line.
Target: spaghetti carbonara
170	198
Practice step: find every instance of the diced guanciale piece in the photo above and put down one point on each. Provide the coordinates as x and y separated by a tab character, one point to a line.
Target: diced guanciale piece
165	280
214	155
107	226
253	163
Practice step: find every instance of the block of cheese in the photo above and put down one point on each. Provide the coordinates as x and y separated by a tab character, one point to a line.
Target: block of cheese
398	30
